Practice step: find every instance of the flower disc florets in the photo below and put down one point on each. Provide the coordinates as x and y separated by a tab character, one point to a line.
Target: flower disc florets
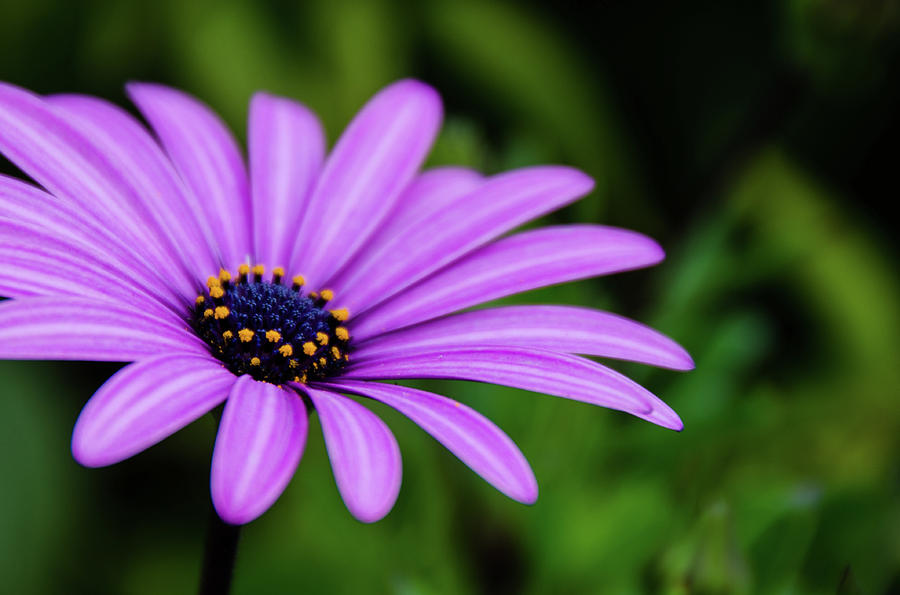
269	330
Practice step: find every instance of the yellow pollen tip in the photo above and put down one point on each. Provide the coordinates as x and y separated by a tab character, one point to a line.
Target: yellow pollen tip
200	299
294	363
222	312
322	361
314	295
340	314
216	292
224	276
298	280
213	282
254	361
243	269
286	350
273	336
303	378
342	333
259	269
245	335
327	295
227	335
208	312
336	352
322	338
309	348
278	272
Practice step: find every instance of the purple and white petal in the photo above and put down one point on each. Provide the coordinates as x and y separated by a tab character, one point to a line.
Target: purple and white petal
258	447
37	263
363	452
29	214
370	165
77	328
512	265
174	211
565	329
557	374
208	159
463	431
58	156
429	193
493	208
286	147
146	402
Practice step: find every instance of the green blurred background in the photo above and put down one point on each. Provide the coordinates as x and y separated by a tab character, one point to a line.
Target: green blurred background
753	139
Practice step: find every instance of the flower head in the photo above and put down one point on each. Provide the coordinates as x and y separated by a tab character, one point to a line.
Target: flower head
298	279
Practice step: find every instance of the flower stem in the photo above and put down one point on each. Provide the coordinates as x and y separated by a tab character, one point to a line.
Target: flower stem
219	556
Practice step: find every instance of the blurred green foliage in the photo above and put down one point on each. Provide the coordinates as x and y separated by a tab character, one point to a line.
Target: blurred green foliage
748	137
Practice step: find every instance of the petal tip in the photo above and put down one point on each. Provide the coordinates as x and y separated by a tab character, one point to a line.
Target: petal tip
234	514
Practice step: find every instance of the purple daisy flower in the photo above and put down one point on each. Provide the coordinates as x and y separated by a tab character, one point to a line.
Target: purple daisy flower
295	281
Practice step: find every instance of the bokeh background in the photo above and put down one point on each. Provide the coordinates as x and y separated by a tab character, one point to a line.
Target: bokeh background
756	140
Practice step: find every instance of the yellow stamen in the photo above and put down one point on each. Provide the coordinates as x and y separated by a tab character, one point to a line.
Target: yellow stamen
200	299
336	352
245	335
224	276
242	272
303	379
254	361
327	295
227	335
342	333
277	274
298	281
294	363
216	292
273	336
314	295
286	350
208	313
309	348
213	282
341	314
258	270
323	361
222	312
322	338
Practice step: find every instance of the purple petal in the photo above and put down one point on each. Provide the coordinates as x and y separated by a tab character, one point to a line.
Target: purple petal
557	374
439	238
37	263
287	145
466	433
364	454
60	158
554	328
373	161
429	193
426	195
177	215
28	215
512	265
258	447
145	403
208	159
75	328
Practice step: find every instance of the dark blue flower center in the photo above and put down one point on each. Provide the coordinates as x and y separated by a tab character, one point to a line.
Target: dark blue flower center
270	330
